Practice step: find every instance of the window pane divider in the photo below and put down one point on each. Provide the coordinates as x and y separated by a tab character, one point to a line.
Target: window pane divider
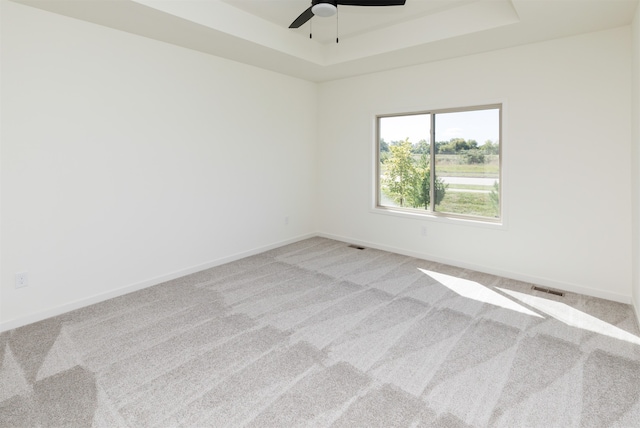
432	163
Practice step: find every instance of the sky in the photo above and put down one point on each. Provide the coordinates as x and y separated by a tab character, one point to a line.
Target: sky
479	125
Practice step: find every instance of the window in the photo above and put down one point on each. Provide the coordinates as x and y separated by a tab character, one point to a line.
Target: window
461	146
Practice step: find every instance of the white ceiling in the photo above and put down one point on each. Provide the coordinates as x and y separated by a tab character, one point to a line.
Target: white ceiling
371	38
352	20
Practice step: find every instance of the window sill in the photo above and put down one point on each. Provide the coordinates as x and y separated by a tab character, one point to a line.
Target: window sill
498	224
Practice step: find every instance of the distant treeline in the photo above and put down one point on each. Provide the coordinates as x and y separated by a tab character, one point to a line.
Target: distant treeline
452	147
468	151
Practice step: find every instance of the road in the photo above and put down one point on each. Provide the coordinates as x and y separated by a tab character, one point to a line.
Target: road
470	180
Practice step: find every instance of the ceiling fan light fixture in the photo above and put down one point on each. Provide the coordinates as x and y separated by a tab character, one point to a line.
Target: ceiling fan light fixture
324	9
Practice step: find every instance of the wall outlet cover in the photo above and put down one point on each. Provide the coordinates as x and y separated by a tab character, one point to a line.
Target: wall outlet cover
22	280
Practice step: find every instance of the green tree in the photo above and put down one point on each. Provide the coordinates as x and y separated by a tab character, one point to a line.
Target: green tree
459	144
407	181
421	148
400	179
420	195
490	148
474	156
440	188
446	148
455	145
384	151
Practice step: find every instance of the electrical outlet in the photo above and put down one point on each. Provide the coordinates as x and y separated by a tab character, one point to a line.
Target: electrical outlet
423	231
286	220
22	280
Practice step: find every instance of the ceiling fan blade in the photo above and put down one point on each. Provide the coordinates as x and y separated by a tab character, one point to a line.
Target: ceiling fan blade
304	17
372	2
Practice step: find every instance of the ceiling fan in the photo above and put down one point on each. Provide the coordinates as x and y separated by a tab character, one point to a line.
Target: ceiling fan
329	7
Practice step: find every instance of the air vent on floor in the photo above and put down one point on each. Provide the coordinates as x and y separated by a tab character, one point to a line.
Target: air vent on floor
357	247
548	291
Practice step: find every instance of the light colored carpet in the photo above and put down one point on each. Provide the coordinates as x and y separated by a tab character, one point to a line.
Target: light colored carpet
320	334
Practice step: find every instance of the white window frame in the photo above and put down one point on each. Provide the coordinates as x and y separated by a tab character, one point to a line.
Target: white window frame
432	214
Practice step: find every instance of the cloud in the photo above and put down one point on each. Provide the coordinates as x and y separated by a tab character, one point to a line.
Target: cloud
450	133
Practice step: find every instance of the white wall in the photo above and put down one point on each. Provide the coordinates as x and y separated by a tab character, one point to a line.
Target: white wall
126	161
635	158
566	142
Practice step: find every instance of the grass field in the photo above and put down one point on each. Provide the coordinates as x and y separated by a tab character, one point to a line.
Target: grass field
467	204
463	203
453	166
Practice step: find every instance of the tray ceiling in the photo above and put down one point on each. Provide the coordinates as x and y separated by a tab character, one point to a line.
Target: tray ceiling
371	38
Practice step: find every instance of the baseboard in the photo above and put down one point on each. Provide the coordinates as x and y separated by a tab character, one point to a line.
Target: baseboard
637	312
77	304
546	282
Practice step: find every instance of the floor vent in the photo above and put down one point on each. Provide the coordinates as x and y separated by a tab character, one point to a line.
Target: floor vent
357	247
548	291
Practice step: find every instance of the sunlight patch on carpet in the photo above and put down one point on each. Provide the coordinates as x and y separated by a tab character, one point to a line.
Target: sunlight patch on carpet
573	317
473	290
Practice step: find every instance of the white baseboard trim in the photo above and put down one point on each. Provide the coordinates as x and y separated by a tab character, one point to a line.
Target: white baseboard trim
546	282
77	304
637	311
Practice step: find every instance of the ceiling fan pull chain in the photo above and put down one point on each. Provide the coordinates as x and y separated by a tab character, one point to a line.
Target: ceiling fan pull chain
311	28
337	21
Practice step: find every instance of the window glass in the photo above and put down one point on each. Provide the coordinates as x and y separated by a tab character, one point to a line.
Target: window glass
467	162
404	149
